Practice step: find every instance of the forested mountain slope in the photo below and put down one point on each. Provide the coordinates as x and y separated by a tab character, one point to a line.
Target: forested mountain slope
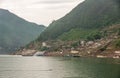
16	32
88	17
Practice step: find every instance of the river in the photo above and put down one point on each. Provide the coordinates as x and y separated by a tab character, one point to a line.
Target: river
58	67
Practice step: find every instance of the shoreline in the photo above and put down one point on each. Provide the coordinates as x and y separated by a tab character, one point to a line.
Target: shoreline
58	54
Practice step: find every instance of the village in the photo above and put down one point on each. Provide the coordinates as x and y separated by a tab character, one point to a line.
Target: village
105	47
99	48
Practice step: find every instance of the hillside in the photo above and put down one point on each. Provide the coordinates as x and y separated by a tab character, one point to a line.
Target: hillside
91	29
88	17
16	32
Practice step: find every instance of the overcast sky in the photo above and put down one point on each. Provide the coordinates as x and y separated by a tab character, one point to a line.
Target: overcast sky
40	11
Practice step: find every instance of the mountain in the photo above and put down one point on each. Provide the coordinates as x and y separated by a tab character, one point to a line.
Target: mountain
88	17
90	29
16	32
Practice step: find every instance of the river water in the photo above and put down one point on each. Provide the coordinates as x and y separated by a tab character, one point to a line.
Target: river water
58	67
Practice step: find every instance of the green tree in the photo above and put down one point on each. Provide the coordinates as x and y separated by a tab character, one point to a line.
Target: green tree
119	31
117	44
94	36
44	48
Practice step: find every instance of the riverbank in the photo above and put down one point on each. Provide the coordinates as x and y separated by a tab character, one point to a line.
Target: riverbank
115	55
105	47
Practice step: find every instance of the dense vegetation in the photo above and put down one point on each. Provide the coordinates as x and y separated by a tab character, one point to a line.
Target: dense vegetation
16	32
117	43
76	34
87	17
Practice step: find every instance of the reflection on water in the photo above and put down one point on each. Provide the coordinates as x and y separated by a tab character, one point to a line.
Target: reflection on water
58	67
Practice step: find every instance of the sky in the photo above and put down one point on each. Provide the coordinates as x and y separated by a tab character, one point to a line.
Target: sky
40	11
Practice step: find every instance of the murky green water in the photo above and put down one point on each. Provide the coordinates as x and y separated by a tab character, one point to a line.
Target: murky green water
57	67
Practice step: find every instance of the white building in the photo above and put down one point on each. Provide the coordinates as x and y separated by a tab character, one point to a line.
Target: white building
44	44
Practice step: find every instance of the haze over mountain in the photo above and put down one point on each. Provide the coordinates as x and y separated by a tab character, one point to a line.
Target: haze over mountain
16	32
86	18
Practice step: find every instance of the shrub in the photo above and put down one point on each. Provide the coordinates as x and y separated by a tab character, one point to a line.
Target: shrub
119	31
117	43
44	48
94	36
